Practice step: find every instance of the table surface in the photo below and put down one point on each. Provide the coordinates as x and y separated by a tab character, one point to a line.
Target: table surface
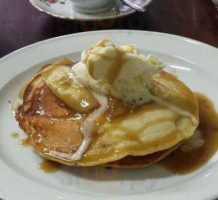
21	24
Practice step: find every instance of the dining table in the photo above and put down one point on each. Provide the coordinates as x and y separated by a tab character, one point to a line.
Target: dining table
21	24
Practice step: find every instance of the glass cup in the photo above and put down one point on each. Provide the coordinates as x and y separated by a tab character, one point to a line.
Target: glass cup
91	6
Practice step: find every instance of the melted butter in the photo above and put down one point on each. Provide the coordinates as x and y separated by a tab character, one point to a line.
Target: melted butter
48	166
15	135
24	143
181	162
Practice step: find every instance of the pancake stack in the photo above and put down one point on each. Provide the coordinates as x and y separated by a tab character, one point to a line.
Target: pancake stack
124	137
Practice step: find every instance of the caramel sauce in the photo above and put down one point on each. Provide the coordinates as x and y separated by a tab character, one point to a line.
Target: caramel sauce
15	135
90	65
181	162
116	66
117	111
24	143
48	166
117	61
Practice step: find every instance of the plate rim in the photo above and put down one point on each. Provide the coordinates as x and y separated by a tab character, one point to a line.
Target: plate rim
157	33
36	45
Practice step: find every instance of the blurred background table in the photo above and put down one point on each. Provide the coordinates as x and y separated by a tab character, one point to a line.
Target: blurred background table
21	24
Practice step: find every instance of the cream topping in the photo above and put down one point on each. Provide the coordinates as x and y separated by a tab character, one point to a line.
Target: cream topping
118	71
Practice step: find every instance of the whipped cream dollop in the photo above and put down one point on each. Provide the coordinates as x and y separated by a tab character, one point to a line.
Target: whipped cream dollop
117	71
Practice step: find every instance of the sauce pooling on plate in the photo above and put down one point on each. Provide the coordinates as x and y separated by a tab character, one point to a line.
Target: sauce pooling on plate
24	143
182	161
49	166
14	135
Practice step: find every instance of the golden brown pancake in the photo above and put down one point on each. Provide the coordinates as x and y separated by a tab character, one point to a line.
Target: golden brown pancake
131	162
148	129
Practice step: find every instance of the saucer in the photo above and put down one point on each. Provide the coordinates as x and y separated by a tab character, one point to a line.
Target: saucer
64	9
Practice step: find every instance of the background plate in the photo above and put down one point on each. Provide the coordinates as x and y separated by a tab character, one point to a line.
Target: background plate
64	9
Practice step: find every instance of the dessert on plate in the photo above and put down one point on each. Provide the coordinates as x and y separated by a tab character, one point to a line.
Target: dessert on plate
113	108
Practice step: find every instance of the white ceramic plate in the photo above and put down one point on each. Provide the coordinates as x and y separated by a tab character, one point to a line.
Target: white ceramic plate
195	63
64	9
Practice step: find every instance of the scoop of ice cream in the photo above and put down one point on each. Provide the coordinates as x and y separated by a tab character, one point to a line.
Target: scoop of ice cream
117	71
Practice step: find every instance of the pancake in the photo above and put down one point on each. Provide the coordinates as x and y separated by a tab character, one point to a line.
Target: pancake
132	162
51	126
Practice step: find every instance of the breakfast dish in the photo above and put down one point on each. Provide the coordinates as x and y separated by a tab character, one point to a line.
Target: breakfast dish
113	104
21	166
64	9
